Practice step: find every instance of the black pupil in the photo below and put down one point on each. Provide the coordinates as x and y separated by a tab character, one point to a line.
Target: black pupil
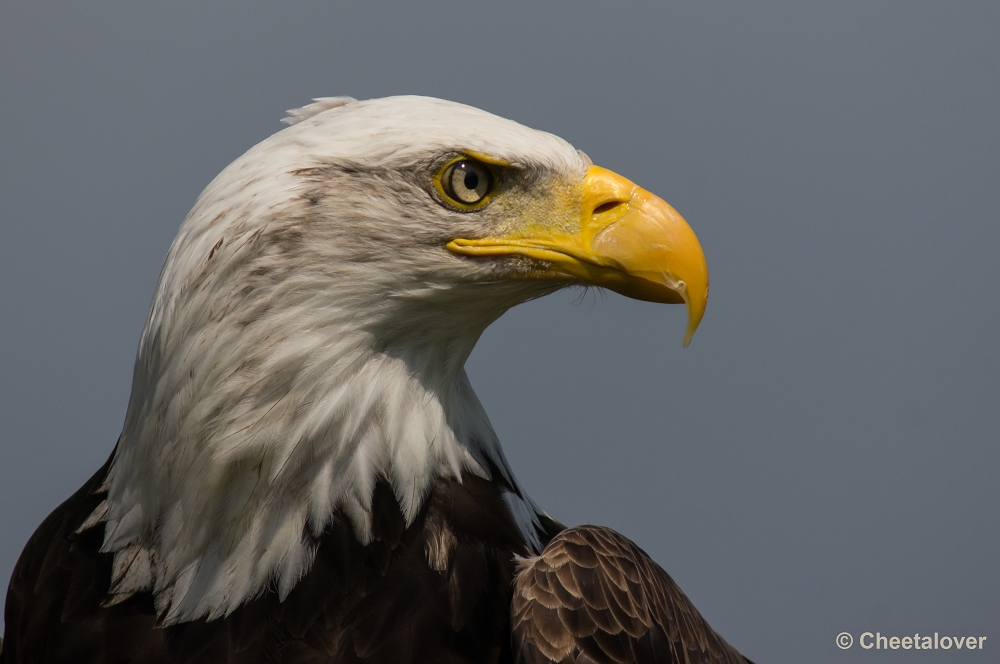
471	180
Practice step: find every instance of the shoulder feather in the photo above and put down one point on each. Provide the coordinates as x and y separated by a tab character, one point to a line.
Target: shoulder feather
594	596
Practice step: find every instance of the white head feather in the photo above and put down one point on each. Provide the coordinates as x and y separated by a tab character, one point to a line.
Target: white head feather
308	336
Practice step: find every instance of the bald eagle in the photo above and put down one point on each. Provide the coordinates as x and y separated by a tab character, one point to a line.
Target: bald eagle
305	473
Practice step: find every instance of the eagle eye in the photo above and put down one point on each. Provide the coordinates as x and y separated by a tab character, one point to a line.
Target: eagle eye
467	182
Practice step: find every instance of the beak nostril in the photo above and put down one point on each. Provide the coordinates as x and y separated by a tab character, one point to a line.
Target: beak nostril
607	207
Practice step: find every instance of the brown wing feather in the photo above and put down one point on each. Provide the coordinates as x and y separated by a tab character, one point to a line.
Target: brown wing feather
594	596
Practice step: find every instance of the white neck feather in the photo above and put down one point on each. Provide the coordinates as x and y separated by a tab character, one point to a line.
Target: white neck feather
222	483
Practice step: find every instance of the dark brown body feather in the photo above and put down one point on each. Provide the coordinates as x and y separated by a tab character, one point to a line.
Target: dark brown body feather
438	591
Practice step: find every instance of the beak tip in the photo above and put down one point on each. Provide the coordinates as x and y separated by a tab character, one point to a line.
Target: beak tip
695	311
688	335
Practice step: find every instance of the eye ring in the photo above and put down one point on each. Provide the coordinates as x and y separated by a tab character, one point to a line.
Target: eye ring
466	183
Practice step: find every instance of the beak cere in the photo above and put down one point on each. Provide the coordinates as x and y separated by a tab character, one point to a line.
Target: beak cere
629	241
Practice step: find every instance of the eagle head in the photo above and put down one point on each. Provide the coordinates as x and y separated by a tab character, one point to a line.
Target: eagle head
309	330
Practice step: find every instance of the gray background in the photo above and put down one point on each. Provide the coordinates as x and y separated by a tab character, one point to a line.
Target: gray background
822	458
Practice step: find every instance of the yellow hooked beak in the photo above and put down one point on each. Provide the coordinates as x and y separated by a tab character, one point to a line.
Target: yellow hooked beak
629	241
